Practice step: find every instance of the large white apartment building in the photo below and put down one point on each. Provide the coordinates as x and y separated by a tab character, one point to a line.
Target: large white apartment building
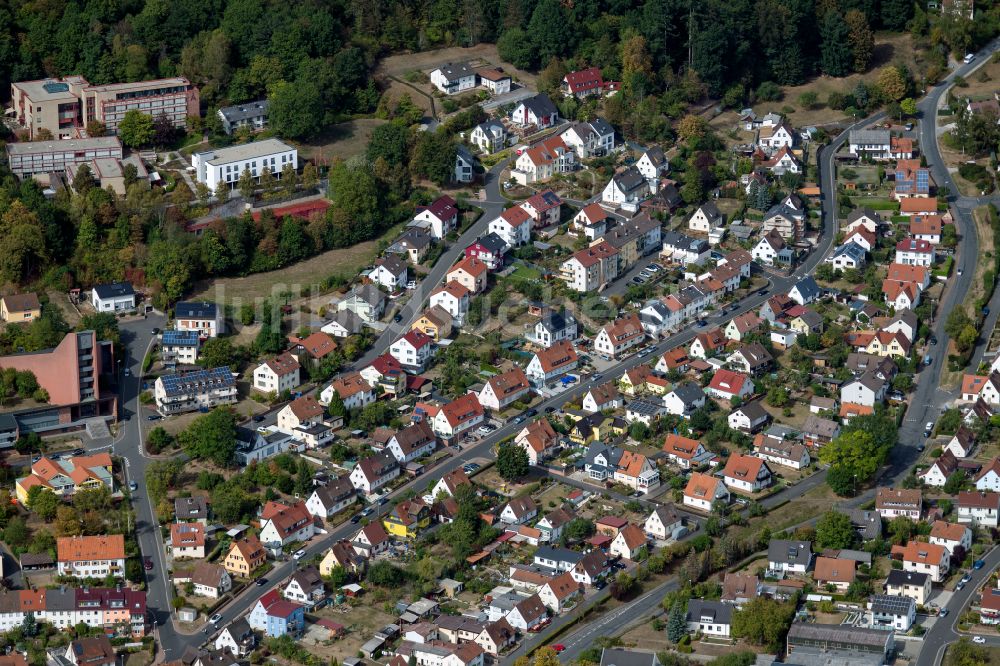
225	165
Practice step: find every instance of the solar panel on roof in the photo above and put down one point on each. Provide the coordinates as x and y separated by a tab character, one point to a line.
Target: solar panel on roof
179	337
179	384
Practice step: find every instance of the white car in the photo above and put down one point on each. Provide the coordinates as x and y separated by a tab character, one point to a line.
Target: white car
969	57
978	639
298	555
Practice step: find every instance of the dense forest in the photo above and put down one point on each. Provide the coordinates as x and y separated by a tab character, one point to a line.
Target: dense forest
315	58
316	61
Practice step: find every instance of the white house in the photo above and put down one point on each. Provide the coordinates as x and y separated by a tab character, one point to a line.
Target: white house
277	375
789	557
113	297
373	472
663	522
490	136
353	390
548	364
513	226
684	399
390	272
202	316
538	111
453	78
770	249
590	139
747	474
867	390
703	490
413	350
500	391
653	164
227	165
628	543
872	143
412	442
439	219
453	298
619	336
914	252
706	218
600	398
989	477
282	525
458	416
626	189
331	499
709	618
952	536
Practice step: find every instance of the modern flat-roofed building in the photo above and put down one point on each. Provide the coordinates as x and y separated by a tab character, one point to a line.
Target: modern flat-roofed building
45	157
225	165
193	390
64	106
52	104
251	114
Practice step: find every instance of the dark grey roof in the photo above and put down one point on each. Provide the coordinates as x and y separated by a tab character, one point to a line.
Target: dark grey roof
688	392
719	612
790	552
494	127
558	554
898	577
540	105
195	310
368	293
349	320
234	114
683	241
114	290
783	211
859	213
853	250
629	179
557	320
493	243
645	407
621	657
656	155
190	508
456	70
753	411
839	634
870	136
710	210
808	288
891	604
413	237
462	153
601	126
238	628
611	453
816	425
392	263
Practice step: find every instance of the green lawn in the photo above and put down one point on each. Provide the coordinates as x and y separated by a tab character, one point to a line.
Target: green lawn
522	272
876	204
944	269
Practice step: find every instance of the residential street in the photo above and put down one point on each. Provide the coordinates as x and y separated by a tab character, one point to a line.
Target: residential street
925	404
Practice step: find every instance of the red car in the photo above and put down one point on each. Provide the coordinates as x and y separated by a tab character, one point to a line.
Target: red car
558	647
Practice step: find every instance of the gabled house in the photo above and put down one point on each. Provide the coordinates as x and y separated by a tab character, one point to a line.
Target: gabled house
685	398
245	556
538	439
740	588
834	573
726	385
663	522
789	557
500	391
549	364
955	537
741	325
471	273
490	136
538	111
921	557
453	298
685	452
275	616
373	472
702	491
628	543
352	389
407	519
559	593
705	218
413	350
771	250
458	416
748	418
979	508
590	139
282	524
751	359
305	587
329	500
490	249
513	226
626	189
390	272
616	338
747	474
893	502
439	219
371	540
603	397
518	511
412	442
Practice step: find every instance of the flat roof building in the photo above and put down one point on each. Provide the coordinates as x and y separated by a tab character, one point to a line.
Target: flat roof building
65	106
45	157
227	164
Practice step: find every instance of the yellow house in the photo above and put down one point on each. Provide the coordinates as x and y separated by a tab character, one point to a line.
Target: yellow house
244	556
435	322
407	519
806	323
888	344
597	426
66	477
20	307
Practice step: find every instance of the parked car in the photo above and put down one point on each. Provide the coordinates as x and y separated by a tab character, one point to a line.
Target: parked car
153	417
944	612
215	619
928	428
969	57
133	486
299	554
978	564
147	563
978	639
260	582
